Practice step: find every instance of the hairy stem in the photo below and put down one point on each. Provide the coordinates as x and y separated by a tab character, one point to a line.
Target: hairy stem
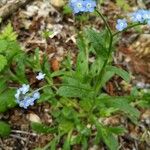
98	85
104	20
129	27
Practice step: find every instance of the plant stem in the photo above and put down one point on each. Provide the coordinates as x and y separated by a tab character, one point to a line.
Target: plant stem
100	76
98	85
129	27
106	23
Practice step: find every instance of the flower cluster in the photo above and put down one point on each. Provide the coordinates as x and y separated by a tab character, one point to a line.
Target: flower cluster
82	5
139	16
23	96
142	16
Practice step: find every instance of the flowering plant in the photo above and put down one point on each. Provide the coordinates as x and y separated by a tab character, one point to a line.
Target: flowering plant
79	103
83	105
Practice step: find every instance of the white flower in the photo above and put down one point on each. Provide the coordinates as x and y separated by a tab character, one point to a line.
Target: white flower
40	76
25	88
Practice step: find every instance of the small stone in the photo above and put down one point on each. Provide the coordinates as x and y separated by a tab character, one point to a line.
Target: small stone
33	118
57	3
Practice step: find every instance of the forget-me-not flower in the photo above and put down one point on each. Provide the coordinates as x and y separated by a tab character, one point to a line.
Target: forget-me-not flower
40	76
24	98
137	16
25	88
77	6
121	24
82	5
89	5
141	15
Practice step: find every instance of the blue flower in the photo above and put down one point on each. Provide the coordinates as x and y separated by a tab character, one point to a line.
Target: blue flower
137	16
40	76
82	5
24	89
77	6
36	95
140	15
121	24
89	5
146	15
24	98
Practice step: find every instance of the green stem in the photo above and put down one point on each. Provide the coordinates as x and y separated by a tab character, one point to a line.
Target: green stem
54	86
106	23
129	27
98	85
100	76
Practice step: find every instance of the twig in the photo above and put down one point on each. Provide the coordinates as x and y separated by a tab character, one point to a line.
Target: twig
17	137
23	132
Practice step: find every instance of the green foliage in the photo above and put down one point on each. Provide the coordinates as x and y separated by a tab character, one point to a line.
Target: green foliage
123	4
67	10
99	42
41	128
8	33
4	129
78	105
10	54
78	102
7	99
121	103
3	62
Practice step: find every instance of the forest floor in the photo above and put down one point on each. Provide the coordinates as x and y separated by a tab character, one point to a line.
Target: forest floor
133	54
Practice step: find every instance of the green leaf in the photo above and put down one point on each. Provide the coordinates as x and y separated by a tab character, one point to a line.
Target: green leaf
47	95
41	128
65	126
4	129
3	85
66	145
82	59
122	104
107	136
86	105
7	100
8	33
67	10
68	112
117	130
109	139
74	88
82	65
107	76
3	45
122	73
96	67
123	4
99	41
67	91
84	143
3	62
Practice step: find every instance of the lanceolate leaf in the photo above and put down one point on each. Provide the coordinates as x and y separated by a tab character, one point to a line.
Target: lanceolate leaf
122	104
41	128
3	62
3	45
7	100
122	73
